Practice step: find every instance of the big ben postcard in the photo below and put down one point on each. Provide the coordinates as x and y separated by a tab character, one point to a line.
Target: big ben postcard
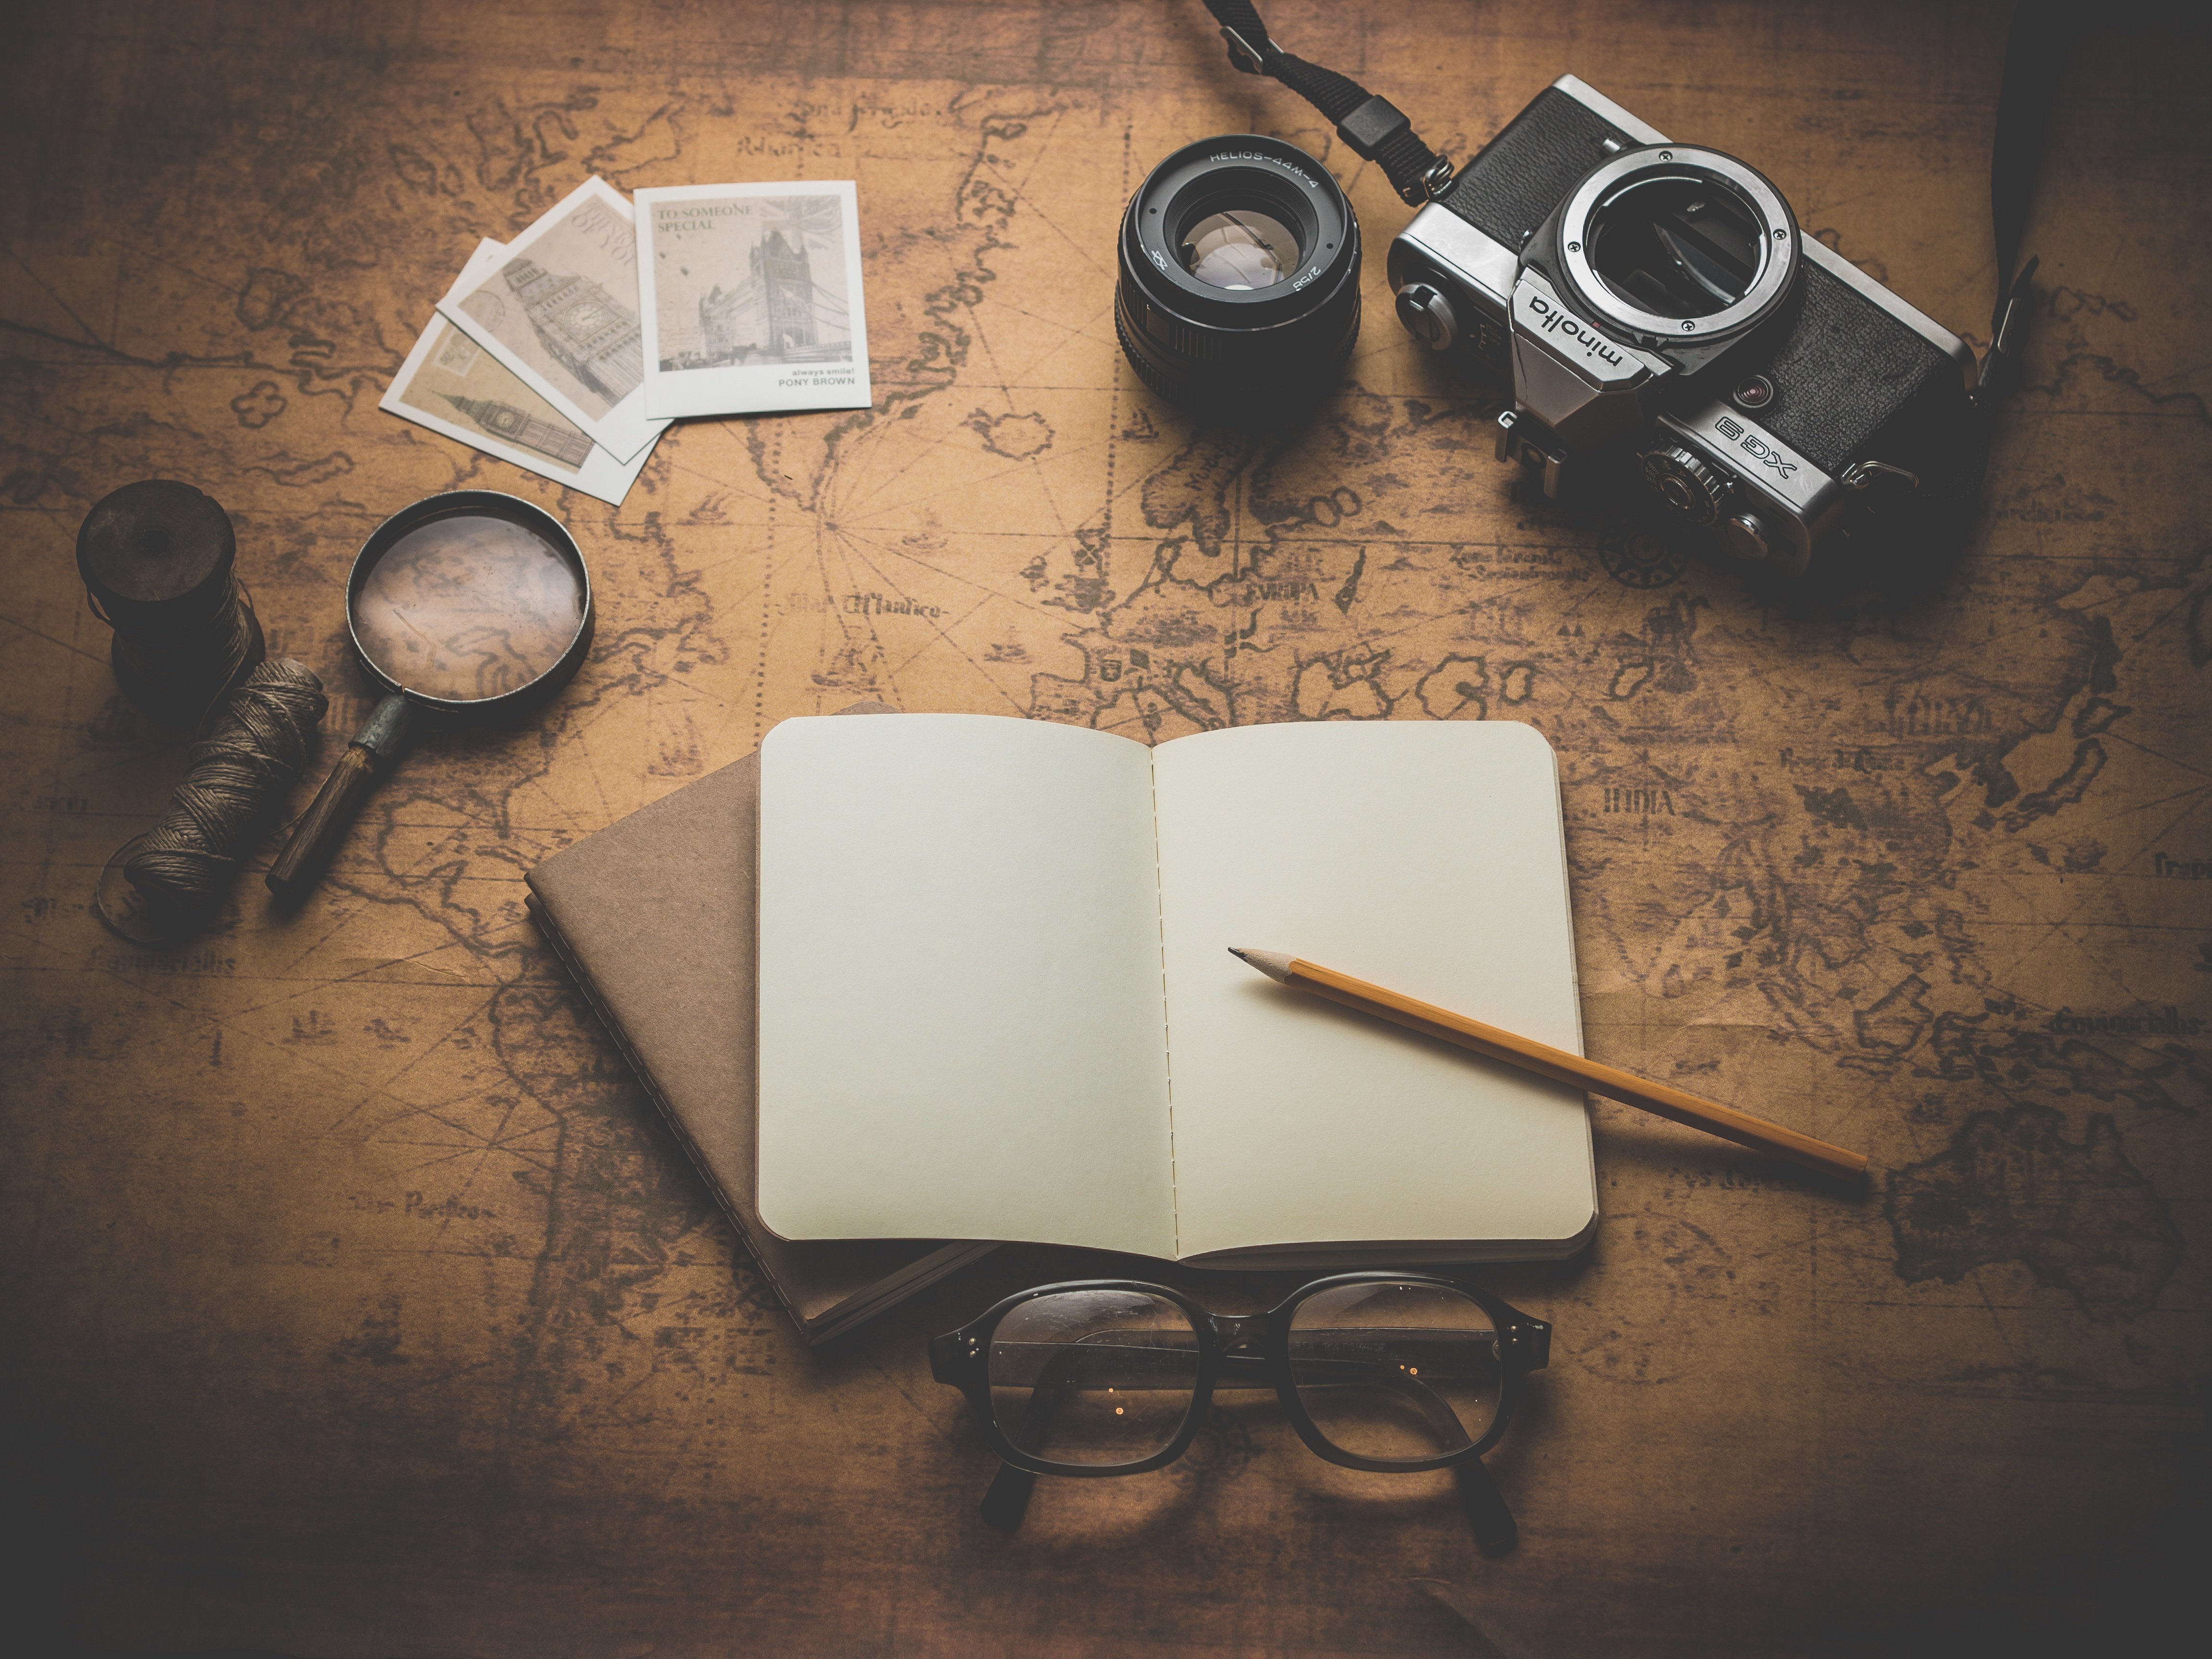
562	311
455	388
750	297
459	390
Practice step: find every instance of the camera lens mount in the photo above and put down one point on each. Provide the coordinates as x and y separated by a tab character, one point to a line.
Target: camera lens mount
1239	278
1672	244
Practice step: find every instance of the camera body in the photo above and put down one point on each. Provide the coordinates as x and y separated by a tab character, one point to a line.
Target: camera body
1665	323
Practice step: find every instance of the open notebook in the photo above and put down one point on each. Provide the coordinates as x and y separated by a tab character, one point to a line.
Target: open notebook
997	1001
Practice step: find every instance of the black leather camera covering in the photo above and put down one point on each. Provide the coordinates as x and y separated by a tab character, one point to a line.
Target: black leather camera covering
1847	371
1525	172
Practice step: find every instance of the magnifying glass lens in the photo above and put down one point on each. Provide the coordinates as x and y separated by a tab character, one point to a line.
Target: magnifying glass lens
468	607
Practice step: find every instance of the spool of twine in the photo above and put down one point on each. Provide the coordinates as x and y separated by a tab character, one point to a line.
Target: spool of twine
157	558
255	745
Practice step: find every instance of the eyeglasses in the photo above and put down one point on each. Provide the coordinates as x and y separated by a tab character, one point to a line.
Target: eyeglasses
1382	1371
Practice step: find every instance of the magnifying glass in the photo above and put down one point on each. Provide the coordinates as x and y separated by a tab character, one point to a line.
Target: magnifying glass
468	607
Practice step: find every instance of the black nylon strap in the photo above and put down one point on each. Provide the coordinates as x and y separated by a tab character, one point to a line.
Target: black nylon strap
1374	129
2024	101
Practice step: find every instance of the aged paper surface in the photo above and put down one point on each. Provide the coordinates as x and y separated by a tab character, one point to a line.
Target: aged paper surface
355	1302
750	297
960	985
1429	855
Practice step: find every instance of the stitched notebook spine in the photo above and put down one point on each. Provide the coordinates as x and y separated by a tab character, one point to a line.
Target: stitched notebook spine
1167	1030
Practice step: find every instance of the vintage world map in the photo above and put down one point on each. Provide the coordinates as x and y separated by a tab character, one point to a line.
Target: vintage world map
353	1293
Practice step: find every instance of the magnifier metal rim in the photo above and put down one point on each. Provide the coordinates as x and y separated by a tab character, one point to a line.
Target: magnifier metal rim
1778	255
484	503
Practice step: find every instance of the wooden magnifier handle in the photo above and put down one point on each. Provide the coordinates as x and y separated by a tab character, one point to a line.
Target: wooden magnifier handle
315	838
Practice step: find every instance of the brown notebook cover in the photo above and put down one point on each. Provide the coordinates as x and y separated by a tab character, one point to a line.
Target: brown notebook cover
657	917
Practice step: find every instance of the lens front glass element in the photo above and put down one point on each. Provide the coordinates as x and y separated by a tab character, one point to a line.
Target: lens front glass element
1240	250
1677	246
1400	1373
1093	1376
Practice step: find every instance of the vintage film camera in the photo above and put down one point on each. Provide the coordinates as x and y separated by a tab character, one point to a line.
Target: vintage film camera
1668	333
1661	317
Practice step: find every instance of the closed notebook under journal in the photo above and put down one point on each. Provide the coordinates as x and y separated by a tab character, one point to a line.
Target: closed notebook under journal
997	1000
654	917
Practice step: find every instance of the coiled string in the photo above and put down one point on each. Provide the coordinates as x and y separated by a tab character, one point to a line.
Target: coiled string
255	745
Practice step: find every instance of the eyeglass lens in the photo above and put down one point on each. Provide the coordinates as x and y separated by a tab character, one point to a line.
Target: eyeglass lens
1395	1372
1093	1376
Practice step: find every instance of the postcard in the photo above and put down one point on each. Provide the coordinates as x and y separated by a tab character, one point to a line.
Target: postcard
487	258
455	387
561	312
750	297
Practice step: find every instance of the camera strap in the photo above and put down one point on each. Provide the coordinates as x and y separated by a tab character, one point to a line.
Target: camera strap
2024	101
1376	129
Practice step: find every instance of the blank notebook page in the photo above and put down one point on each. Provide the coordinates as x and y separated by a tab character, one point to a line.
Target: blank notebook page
1424	857
961	1027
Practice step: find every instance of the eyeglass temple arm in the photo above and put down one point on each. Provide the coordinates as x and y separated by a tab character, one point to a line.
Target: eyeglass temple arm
1443	1421
1006	1499
1166	1367
1240	1371
1494	1531
1068	1359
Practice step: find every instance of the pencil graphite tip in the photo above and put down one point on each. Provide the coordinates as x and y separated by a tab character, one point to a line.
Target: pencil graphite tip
1275	964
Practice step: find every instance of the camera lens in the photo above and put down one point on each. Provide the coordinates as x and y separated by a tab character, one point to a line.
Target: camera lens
1241	251
1239	289
1677	246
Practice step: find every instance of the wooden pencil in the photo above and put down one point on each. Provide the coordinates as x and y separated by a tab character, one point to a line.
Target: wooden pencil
1557	1064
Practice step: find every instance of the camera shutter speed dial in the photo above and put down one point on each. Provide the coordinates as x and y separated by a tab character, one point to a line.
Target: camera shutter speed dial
1427	315
1695	489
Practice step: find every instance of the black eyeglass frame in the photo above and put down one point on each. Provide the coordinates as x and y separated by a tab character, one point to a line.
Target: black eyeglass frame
962	1360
